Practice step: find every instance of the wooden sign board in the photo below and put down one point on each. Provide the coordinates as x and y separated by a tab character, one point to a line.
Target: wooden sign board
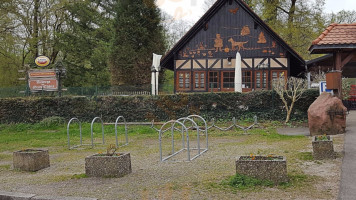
43	84
333	80
41	73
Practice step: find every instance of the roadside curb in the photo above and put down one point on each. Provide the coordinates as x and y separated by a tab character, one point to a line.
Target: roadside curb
23	196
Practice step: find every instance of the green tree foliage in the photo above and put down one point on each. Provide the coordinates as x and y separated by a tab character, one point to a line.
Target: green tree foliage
138	34
88	36
85	43
78	33
27	29
9	60
298	22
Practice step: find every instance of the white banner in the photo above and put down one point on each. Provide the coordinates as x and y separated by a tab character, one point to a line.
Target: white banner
238	76
154	78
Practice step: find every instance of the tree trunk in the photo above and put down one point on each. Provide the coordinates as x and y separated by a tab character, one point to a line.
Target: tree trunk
291	19
289	111
288	115
35	28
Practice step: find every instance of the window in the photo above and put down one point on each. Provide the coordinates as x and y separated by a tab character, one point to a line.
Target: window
278	74
213	80
228	80
261	79
183	80
264	80
246	79
258	79
275	75
199	80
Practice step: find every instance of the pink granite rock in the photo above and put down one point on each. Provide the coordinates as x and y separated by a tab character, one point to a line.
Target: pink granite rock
327	115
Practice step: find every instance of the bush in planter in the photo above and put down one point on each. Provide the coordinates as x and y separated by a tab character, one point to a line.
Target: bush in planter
323	147
111	164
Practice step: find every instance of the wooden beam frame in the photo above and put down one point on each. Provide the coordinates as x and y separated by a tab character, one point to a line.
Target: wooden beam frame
348	58
339	63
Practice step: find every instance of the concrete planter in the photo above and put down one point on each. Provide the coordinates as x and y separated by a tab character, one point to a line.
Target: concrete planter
263	168
323	149
31	159
108	166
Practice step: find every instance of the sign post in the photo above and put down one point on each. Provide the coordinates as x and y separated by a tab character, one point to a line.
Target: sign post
46	79
43	84
42	80
323	88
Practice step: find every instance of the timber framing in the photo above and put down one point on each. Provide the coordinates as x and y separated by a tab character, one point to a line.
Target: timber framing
204	58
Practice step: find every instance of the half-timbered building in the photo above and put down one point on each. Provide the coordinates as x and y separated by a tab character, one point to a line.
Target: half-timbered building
204	59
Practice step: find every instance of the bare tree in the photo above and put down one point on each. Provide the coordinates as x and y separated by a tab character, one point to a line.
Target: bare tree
207	4
342	16
317	77
175	29
290	91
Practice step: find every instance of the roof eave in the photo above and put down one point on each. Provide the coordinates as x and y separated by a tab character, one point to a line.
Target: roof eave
309	62
321	49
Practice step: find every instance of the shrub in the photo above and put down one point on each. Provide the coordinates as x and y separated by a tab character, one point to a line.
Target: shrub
243	182
266	105
52	121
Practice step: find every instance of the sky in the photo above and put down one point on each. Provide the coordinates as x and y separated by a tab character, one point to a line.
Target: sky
192	9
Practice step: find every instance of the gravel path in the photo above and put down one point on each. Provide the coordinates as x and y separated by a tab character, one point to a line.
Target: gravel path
199	179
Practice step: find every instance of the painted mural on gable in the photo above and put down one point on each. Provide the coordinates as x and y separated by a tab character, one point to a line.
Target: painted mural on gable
230	30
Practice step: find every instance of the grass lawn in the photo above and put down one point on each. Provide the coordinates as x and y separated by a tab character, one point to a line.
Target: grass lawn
204	178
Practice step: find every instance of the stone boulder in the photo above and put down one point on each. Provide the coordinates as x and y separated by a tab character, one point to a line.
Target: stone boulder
327	115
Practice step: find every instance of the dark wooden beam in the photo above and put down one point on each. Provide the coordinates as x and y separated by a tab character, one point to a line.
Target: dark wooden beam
337	66
348	58
337	61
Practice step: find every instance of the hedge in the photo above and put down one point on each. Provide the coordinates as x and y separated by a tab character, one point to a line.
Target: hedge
223	106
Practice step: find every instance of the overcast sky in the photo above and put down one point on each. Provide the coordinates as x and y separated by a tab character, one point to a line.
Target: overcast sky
192	9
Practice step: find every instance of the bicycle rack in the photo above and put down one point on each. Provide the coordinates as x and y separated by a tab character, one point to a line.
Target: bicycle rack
172	128
117	142
80	132
92	132
205	130
183	130
102	129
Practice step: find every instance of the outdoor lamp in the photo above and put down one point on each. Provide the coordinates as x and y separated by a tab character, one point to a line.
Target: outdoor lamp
262	66
229	60
153	69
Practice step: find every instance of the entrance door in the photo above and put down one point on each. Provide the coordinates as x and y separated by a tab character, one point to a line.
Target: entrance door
261	78
214	83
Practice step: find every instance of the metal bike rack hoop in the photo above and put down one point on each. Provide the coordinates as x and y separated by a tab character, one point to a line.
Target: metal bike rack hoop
127	140
102	130
80	132
161	131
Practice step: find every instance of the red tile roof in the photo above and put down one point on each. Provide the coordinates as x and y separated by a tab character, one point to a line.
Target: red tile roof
337	34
